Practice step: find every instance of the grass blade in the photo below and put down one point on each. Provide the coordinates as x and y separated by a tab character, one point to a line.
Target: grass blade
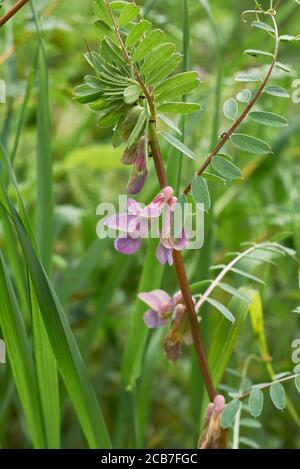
46	372
64	346
21	360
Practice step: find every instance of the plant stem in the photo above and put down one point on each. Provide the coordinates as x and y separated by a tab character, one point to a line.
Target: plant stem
177	256
227	269
181	274
268	385
10	13
244	114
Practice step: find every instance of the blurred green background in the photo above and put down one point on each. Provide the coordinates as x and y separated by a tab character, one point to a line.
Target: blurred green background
96	285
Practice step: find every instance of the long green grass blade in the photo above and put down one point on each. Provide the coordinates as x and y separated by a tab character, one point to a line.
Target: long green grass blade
21	360
64	346
46	372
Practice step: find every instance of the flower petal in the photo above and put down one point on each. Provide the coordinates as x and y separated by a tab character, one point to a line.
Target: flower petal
181	243
127	246
153	320
134	208
158	300
119	222
164	255
219	404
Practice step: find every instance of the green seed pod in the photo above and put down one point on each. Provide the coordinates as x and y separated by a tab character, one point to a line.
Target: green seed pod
130	121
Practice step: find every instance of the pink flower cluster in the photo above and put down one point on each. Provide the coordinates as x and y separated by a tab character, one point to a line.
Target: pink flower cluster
136	224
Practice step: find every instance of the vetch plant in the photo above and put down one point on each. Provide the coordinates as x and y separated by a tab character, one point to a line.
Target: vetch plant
83	320
132	88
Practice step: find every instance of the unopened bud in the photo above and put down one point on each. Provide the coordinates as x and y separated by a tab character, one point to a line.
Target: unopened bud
129	156
130	121
140	162
136	181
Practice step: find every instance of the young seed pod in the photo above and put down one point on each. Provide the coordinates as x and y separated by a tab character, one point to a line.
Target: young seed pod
130	121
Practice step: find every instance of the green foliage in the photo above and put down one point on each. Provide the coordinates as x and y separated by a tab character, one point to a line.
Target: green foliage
256	402
90	298
229	414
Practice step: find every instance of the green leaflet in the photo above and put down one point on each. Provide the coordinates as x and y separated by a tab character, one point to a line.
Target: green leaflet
297	383
284	67
229	413
157	59
138	129
165	70
250	423
249	442
137	33
178	145
262	25
247	77
278	397
222	309
132	94
169	123
256	402
226	168
250	144
101	12
111	52
177	86
110	118
151	41
84	94
268	118
103	30
234	292
255	53
179	108
244	96
231	109
277	91
128	13
200	192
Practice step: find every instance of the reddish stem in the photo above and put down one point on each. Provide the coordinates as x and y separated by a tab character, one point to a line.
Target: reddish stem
244	114
10	13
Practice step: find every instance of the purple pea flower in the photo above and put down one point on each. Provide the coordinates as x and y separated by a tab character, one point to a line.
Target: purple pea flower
136	223
168	243
162	308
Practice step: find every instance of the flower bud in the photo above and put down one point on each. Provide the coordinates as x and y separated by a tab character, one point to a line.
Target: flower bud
141	162
130	121
129	156
136	181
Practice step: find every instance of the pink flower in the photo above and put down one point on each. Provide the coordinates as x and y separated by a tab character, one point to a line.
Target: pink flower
164	252
162	308
136	224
